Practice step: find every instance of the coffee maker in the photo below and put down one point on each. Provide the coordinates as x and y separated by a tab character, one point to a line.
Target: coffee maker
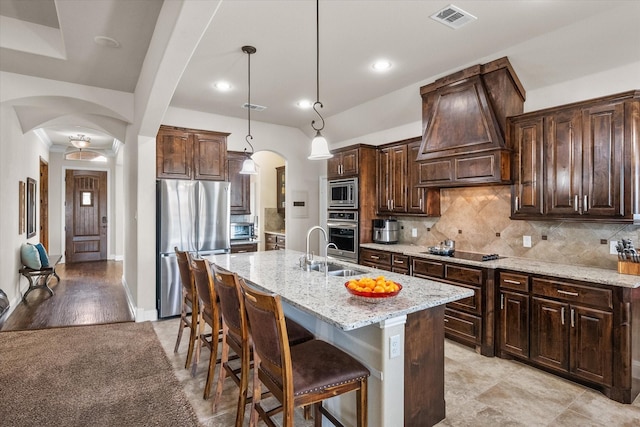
385	231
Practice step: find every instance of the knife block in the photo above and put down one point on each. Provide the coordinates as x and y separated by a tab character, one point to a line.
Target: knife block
627	267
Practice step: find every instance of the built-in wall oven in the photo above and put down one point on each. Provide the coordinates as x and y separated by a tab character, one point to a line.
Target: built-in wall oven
343	193
342	227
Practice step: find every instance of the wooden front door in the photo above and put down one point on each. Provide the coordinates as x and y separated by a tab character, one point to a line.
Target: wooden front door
86	215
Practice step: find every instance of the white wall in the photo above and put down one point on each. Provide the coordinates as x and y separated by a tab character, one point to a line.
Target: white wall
265	187
19	158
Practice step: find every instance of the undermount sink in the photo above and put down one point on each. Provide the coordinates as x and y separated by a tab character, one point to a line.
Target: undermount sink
334	269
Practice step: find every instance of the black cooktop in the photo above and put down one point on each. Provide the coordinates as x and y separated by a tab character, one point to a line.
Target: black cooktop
472	256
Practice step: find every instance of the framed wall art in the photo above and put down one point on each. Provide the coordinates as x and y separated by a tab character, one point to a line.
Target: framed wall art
31	207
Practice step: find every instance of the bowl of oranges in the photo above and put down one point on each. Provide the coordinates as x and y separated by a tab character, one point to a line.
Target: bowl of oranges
373	290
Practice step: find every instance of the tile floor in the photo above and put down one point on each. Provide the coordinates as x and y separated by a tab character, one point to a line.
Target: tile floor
479	391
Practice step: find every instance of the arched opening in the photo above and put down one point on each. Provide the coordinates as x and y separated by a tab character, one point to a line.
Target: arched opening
268	194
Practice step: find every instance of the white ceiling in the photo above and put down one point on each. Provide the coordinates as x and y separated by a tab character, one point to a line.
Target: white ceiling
547	42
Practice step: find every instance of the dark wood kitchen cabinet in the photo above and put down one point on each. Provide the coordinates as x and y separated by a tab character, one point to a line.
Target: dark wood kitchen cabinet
281	189
513	336
469	320
240	191
389	261
191	154
244	248
574	162
343	164
274	242
398	188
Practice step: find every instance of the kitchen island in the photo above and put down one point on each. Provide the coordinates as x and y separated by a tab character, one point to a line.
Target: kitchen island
401	340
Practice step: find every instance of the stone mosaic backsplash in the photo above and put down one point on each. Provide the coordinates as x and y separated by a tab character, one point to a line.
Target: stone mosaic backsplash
477	218
273	221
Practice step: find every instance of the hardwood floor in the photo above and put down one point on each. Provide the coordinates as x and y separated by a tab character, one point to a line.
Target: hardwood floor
88	293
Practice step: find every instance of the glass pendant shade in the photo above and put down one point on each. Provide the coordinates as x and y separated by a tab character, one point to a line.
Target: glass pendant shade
249	167
319	148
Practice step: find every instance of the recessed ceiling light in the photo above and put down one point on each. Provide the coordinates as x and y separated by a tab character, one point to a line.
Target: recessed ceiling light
381	65
106	41
304	104
222	86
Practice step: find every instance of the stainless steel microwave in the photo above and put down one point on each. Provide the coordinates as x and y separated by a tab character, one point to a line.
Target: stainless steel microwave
343	193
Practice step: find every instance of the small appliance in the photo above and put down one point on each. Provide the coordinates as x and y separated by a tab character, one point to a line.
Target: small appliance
385	231
343	193
242	231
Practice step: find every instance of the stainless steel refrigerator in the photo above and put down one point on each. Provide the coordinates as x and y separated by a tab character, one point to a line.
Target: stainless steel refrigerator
193	216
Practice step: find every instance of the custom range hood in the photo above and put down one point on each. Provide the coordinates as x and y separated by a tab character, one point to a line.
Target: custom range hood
464	123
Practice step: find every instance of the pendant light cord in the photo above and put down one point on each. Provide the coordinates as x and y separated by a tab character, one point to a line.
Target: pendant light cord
317	103
249	50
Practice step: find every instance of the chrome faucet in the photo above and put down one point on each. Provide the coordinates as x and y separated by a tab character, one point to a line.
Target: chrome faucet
308	256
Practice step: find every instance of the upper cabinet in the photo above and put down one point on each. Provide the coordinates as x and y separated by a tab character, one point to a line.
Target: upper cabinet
240	190
191	154
344	163
464	121
576	162
398	189
280	189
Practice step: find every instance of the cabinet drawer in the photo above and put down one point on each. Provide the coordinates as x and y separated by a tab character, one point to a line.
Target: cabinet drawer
425	268
462	325
573	293
376	257
471	304
400	261
270	238
517	282
281	240
472	276
249	247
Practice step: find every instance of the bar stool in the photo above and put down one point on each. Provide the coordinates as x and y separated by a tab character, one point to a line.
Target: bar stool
209	315
235	336
189	311
300	375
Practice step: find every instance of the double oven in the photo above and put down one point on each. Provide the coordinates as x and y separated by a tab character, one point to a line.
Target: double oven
342	219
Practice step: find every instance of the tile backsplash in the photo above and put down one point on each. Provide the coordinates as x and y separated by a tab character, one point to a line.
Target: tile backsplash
477	218
273	220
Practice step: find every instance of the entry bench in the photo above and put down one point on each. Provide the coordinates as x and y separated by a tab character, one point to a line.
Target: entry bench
42	275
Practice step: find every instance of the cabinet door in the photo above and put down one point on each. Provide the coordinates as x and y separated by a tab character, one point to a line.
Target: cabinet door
527	139
563	158
280	189
603	162
398	178
174	154
350	162
550	334
384	181
240	184
210	156
514	323
591	344
334	166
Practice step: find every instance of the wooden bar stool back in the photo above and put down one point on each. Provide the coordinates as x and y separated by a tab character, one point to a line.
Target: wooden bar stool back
299	375
189	311
209	315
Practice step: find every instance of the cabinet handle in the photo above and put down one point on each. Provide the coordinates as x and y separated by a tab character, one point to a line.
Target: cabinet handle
420	204
573	318
397	261
562	315
513	282
575	203
517	202
571	294
375	257
501	301
585	204
243	251
446	320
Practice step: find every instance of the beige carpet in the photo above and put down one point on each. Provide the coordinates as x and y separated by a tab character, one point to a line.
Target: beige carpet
104	375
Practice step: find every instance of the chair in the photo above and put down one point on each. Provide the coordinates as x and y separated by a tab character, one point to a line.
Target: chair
208	315
235	336
189	312
299	375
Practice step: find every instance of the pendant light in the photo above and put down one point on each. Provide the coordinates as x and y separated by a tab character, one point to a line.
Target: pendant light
319	145
249	166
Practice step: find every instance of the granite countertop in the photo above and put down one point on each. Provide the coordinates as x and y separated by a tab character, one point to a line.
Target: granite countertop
245	242
525	265
278	232
326	297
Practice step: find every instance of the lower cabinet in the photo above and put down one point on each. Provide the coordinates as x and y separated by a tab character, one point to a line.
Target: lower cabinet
274	242
579	330
469	320
244	247
384	260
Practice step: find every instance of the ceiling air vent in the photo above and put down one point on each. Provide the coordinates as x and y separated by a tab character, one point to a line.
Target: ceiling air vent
453	17
254	107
